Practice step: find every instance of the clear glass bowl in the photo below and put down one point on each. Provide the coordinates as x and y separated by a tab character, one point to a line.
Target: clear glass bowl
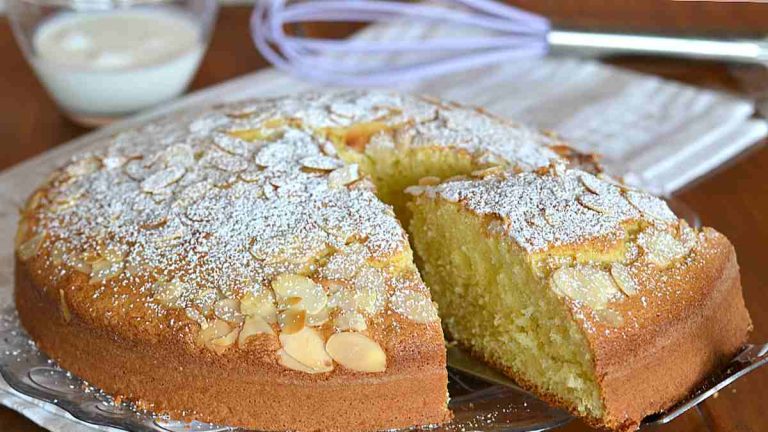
102	60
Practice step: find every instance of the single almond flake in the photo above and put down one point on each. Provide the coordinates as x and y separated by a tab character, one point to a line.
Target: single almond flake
214	330
169	293
161	180
260	304
343	176
429	181
320	163
312	296
229	310
291	363
31	247
22	232
292	320
594	184
623	279
221	344
415	306
660	247
308	348
83	167
357	352
585	284
370	290
350	320
595	203
317	319
252	326
609	317
230	144
104	270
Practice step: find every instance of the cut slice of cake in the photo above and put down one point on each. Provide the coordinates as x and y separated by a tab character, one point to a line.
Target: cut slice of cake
593	295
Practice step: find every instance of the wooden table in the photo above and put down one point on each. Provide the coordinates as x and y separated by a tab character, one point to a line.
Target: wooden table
734	200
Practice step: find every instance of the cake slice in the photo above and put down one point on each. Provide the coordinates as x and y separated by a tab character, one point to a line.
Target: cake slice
593	295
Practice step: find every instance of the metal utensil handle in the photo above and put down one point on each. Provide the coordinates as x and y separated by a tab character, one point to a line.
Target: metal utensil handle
598	43
750	358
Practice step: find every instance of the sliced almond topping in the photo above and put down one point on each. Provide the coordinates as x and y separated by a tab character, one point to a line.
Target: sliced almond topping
650	206
104	270
64	308
196	315
593	184
291	363
429	181
112	253
219	345
350	320
312	296
357	352
159	181
320	163
308	348
226	162
345	263
370	290
83	167
34	200
228	310
22	232
80	265
253	325
661	248
414	306
59	250
169	293
594	202
343	176
214	330
623	279
260	304
230	144
589	285
487	172
317	319
31	247
206	299
292	320
415	190
180	155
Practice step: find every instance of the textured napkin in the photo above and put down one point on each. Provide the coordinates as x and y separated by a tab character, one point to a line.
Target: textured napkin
659	134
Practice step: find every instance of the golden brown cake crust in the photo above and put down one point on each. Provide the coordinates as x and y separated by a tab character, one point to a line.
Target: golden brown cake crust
235	388
697	325
680	343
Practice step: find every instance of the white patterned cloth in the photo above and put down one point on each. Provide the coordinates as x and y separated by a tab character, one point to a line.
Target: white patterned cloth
659	134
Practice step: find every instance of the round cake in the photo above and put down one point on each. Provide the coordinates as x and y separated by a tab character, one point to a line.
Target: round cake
247	265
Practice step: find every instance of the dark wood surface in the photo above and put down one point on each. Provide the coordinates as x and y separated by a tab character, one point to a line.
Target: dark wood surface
734	200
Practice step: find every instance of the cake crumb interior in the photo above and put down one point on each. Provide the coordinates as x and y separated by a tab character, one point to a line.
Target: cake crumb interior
487	294
490	299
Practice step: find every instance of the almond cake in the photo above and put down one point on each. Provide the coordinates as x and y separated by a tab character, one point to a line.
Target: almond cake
247	265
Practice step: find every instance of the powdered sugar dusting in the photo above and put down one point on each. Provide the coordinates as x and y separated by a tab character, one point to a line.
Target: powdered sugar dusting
191	202
561	207
419	122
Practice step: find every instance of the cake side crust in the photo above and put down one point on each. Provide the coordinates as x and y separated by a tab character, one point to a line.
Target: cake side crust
674	350
229	390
